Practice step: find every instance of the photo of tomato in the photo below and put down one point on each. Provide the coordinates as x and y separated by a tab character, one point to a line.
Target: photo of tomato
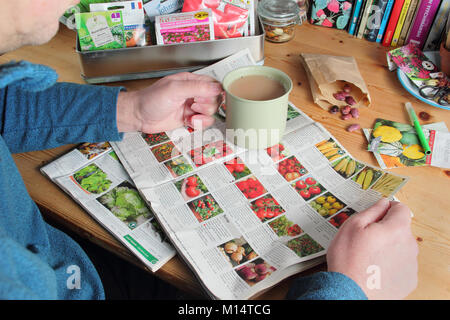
327	205
237	168
277	152
210	152
291	169
205	208
266	208
165	151
340	218
155	138
191	187
251	187
308	187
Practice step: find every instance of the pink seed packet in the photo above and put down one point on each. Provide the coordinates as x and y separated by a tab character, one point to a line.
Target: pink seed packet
184	27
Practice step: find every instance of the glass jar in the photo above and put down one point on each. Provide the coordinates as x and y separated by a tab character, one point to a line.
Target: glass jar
279	18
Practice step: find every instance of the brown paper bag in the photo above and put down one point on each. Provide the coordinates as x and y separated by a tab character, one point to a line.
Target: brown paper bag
328	74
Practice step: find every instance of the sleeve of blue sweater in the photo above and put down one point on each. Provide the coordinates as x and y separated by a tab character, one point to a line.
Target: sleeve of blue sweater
65	113
325	286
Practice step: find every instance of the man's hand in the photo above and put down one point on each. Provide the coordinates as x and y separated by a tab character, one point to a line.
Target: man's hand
377	242
171	102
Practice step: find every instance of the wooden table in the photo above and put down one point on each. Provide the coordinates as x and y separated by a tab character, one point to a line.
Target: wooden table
427	193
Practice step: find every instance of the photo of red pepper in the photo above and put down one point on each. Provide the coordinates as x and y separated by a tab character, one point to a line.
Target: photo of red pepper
165	151
283	227
205	208
237	168
251	187
266	208
340	218
291	168
210	152
155	138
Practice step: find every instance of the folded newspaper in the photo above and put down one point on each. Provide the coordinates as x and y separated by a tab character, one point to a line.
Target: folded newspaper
242	220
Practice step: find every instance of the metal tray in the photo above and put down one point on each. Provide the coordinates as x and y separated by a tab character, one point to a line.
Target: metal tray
160	60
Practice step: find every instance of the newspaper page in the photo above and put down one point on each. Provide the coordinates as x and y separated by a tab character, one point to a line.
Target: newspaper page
94	177
244	220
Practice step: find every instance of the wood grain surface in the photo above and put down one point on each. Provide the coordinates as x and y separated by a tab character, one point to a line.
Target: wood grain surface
427	192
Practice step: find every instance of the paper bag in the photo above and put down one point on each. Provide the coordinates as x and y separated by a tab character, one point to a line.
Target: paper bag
328	75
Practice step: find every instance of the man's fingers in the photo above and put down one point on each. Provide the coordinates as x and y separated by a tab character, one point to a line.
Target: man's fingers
201	120
398	215
373	214
194	88
203	108
189	76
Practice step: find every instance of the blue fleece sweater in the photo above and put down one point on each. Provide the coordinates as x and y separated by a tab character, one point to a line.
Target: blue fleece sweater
36	260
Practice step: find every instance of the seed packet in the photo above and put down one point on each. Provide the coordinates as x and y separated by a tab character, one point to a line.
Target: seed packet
68	18
100	30
133	20
155	8
331	13
231	17
184	27
411	60
328	75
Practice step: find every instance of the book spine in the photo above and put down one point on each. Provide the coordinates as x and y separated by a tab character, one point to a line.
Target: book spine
437	28
422	23
387	14
374	19
363	7
392	23
355	16
408	20
366	12
401	21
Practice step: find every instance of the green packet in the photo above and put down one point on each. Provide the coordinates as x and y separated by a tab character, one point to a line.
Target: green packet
68	18
100	30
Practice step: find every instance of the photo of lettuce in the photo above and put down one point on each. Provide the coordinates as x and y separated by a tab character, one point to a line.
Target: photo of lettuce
92	179
125	202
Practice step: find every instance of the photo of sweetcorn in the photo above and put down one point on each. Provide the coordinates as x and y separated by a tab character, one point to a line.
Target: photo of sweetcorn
387	184
366	177
330	149
347	166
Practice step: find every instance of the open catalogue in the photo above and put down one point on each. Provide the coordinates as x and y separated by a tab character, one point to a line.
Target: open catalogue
242	220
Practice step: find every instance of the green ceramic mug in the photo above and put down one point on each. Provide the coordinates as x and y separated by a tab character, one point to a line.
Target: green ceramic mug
256	124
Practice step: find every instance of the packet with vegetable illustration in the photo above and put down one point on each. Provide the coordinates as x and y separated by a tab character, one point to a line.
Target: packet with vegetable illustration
133	20
100	30
396	144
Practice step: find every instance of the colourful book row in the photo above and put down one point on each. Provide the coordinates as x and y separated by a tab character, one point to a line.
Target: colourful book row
399	22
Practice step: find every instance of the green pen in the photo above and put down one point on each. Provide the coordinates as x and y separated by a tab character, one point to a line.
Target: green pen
419	131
